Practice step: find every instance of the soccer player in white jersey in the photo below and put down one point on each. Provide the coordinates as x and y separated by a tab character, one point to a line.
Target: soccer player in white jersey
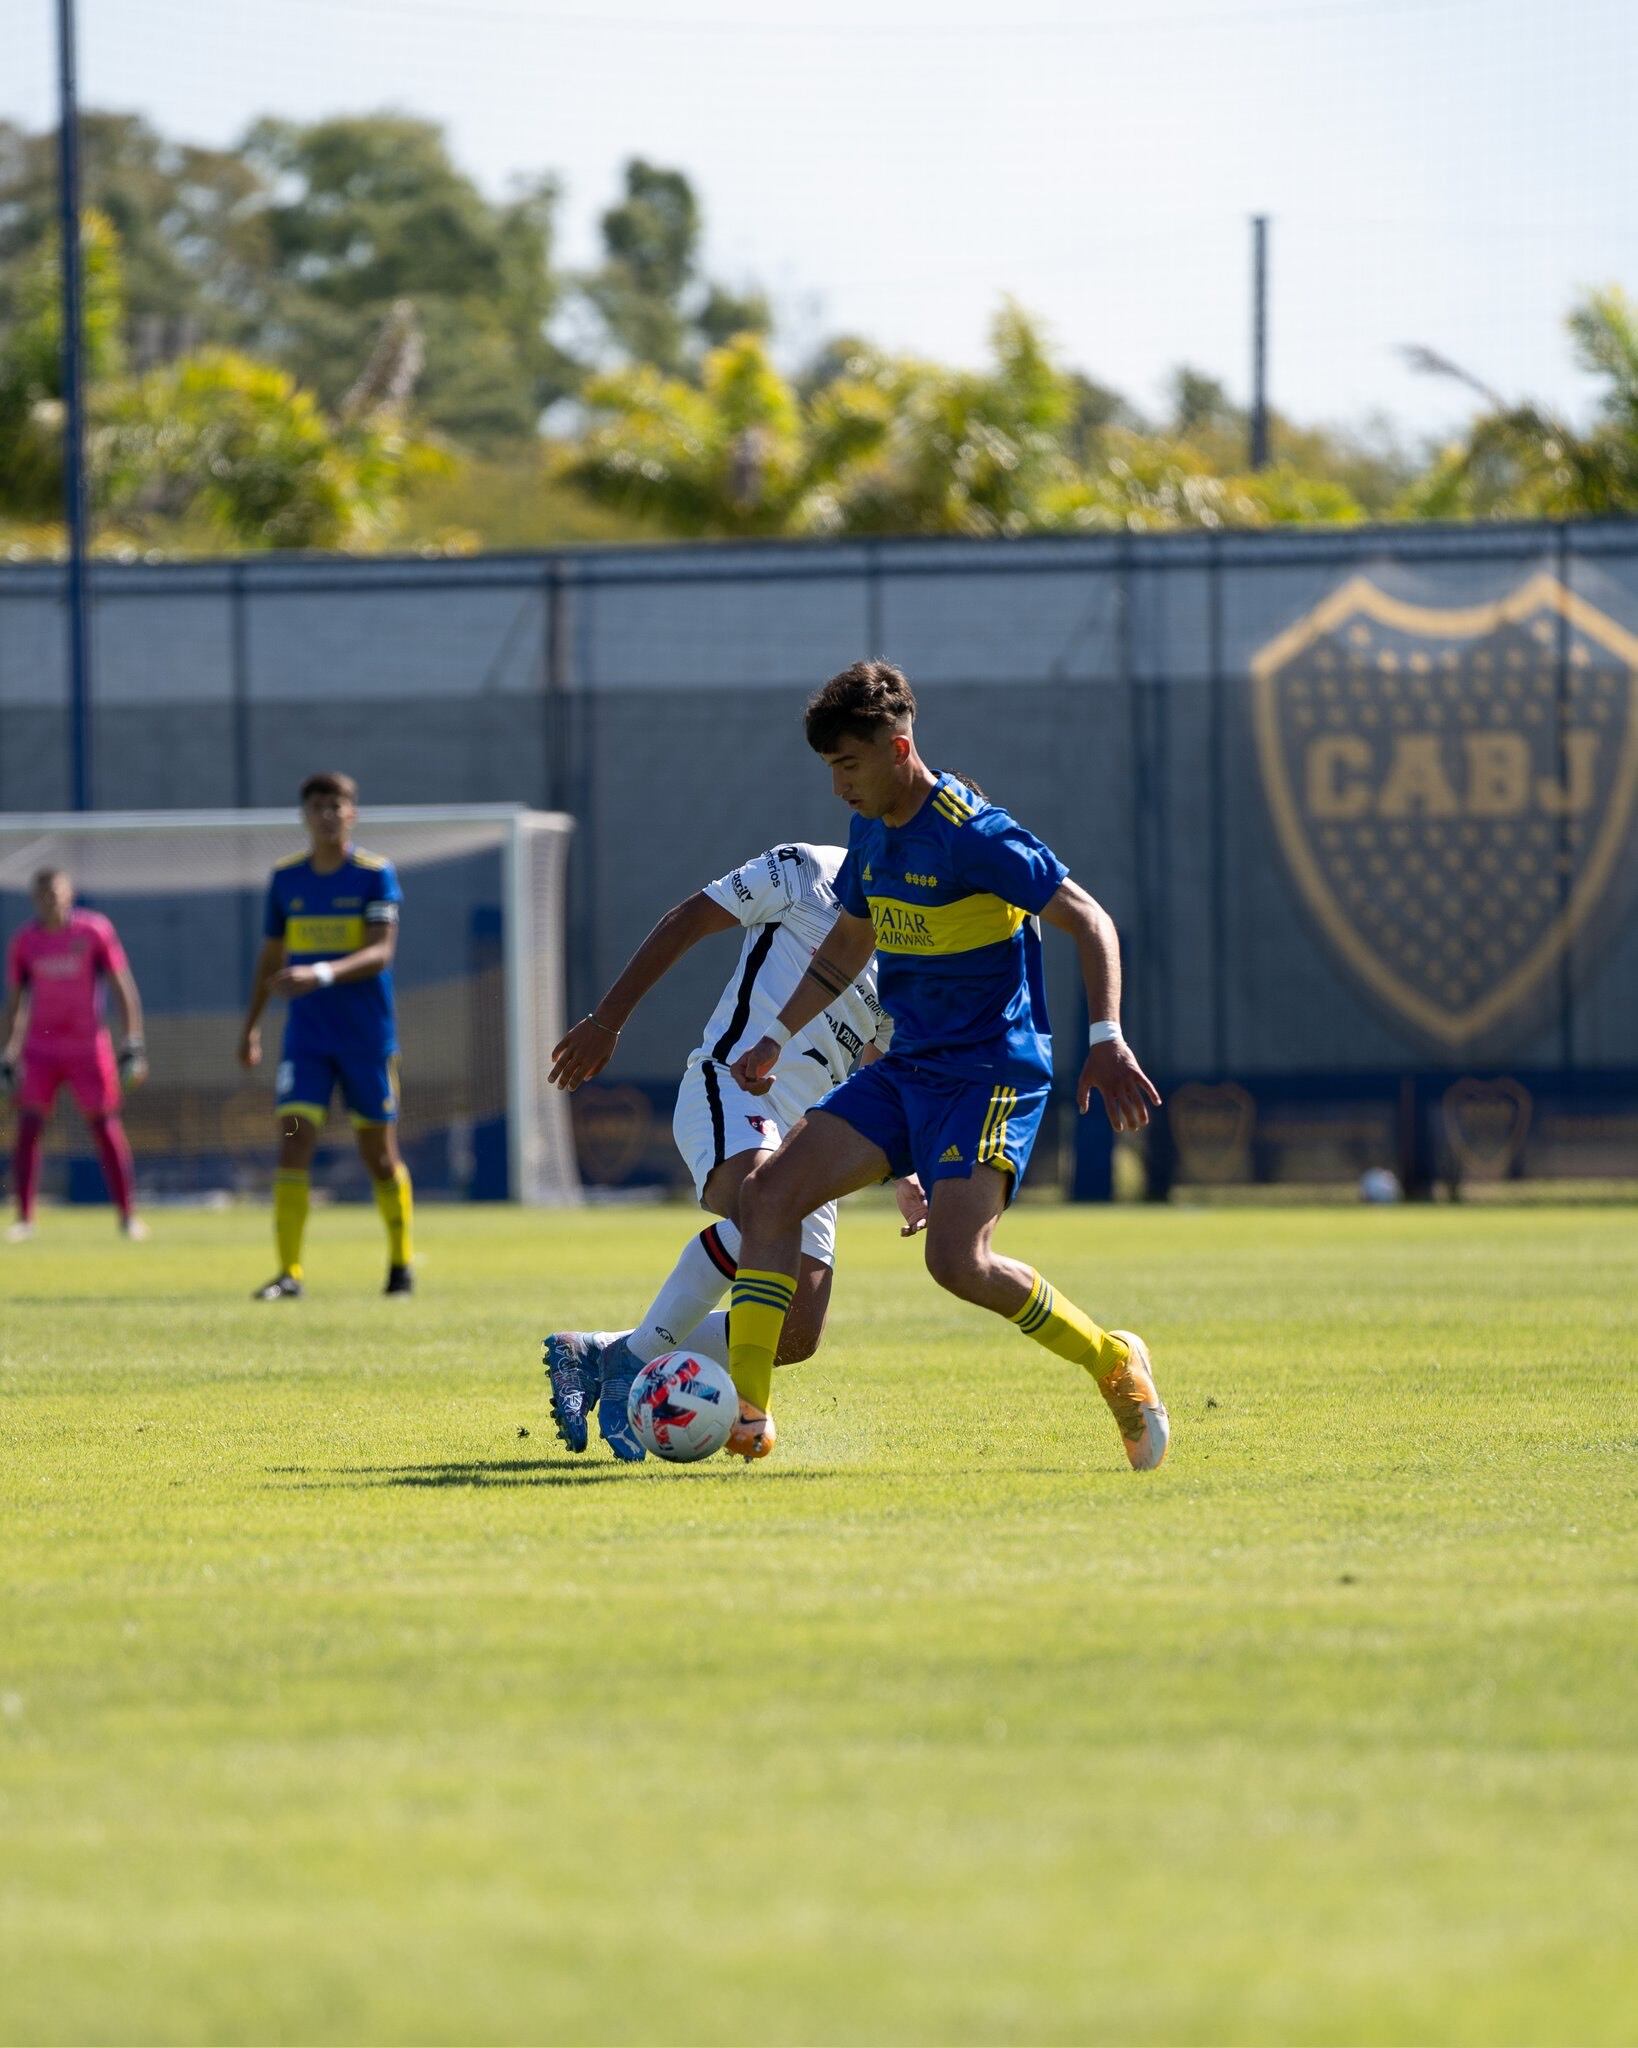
785	904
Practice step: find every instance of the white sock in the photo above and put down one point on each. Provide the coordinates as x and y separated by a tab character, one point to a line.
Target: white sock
709	1336
693	1288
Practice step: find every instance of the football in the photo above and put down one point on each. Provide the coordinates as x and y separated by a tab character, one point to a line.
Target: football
682	1406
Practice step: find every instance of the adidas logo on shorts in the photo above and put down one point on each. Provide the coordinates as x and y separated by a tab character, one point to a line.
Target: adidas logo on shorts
950	1156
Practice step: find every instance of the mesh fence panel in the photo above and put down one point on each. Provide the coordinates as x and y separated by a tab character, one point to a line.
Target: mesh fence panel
1413	881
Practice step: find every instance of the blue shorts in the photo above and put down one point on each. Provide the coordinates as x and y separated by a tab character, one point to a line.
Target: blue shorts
368	1084
940	1126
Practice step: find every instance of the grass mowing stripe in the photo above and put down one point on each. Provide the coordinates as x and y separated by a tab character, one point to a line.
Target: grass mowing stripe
331	1707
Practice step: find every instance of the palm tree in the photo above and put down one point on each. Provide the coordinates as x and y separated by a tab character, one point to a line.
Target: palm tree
1522	460
737	454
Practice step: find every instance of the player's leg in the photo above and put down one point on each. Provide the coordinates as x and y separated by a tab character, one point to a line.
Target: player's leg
394	1198
721	1132
849	1144
303	1091
36	1092
371	1092
963	1210
94	1079
707	1265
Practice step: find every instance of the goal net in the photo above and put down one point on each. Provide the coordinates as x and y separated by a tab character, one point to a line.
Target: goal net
479	979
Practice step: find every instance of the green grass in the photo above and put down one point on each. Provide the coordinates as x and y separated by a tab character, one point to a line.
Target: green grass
334	1708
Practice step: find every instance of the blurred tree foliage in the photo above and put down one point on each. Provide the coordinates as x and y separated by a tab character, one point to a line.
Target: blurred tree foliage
654	305
875	444
1521	461
214	443
329	335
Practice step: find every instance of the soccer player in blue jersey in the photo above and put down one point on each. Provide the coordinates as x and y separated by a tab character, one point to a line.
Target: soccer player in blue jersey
331	930
946	889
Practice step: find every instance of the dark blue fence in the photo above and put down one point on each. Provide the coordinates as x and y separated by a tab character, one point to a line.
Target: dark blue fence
1361	801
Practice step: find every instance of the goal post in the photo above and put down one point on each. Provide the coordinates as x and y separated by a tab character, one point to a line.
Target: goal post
479	973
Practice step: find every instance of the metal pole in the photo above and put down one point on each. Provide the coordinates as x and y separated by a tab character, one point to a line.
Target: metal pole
1259	341
74	501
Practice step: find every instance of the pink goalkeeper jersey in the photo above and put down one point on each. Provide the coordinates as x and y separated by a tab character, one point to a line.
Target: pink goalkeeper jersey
61	970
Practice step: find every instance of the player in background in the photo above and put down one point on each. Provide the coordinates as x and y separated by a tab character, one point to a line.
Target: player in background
946	889
331	931
784	900
54	1033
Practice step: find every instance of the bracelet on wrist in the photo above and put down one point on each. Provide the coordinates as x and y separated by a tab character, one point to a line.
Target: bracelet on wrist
779	1033
592	1017
1106	1033
324	972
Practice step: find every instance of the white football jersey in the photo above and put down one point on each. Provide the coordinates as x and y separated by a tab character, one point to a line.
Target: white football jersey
787	903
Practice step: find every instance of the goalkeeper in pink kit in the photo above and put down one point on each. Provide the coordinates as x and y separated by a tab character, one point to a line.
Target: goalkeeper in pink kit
55	1034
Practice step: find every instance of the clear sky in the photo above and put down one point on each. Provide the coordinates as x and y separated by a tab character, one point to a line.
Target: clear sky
1444	171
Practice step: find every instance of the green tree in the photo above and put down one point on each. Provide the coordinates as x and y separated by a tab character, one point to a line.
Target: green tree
31	389
1153	484
369	211
193	249
214	445
966	451
738	453
236	450
648	293
1524	461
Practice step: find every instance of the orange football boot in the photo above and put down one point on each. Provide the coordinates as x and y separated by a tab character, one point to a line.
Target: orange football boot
1140	1414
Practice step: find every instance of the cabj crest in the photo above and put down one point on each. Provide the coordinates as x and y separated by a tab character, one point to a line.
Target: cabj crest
1451	788
1211	1126
1486	1123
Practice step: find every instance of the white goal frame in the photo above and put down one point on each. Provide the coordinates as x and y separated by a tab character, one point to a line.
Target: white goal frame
541	1163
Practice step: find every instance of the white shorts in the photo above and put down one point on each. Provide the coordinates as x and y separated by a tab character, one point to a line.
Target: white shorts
717	1120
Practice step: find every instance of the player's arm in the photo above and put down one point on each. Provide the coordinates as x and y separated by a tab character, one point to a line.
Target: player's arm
16	1030
1110	1066
587	1049
831	973
364	965
269	962
133	1057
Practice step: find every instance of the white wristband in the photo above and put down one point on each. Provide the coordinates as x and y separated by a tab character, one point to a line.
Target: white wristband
1104	1034
779	1033
324	972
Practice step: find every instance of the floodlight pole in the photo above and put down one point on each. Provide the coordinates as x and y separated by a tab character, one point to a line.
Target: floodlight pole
73	376
1259	341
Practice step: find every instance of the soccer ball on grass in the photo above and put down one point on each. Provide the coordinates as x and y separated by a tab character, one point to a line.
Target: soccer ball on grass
682	1406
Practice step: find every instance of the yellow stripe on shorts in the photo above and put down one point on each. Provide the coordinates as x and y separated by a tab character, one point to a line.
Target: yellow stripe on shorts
992	1140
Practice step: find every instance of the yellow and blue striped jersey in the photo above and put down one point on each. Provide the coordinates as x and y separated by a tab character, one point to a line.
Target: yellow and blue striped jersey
325	917
953	895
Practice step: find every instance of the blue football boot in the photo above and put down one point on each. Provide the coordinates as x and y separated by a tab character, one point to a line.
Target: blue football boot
572	1376
621	1366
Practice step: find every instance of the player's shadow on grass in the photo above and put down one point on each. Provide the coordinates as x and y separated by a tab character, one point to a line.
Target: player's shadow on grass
450	1472
478	1472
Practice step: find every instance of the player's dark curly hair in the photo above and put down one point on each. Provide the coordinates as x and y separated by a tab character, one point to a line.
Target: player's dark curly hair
861	702
330	783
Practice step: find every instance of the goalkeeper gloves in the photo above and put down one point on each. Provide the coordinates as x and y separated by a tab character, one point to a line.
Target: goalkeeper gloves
133	1062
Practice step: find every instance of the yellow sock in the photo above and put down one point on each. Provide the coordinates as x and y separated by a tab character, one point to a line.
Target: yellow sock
396	1202
1067	1330
756	1310
291	1189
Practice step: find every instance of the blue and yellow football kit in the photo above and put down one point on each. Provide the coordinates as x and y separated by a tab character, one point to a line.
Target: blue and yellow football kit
344	1036
953	896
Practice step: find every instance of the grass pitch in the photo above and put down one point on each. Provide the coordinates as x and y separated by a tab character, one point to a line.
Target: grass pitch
332	1707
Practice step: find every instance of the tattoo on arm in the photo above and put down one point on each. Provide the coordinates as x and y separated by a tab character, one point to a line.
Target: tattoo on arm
828	978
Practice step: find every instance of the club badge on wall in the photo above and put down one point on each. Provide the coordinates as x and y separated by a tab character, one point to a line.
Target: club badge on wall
1452	788
1211	1126
1486	1124
612	1127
